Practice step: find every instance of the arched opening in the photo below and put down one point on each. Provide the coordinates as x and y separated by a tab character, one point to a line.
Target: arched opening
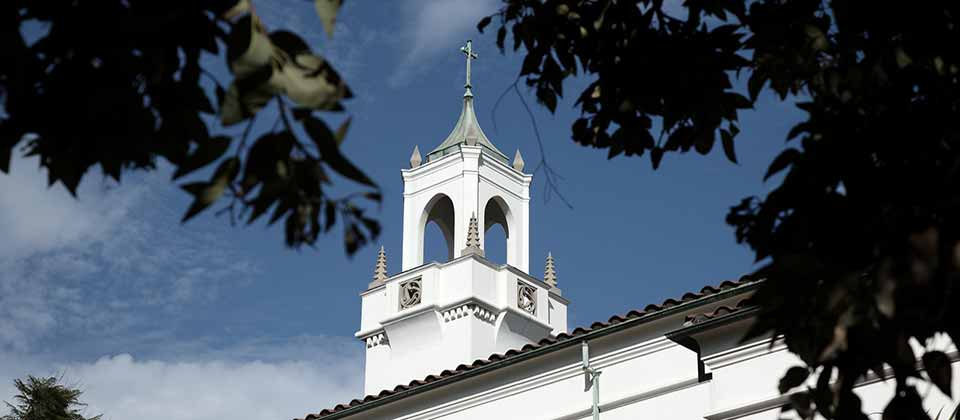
436	230
496	230
435	246
495	244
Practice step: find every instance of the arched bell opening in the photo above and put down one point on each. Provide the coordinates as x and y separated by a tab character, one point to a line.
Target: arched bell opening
437	229
496	231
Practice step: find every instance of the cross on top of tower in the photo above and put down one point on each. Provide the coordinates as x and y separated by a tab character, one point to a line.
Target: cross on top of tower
467	131
467	50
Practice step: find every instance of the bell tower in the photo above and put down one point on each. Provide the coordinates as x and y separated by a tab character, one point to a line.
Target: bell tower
434	315
466	176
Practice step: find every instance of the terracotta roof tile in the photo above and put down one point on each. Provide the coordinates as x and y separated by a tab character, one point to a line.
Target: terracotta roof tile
717	312
546	342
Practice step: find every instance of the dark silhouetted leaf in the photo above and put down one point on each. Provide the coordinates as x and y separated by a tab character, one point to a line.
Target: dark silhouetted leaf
341	133
483	23
656	154
546	97
794	377
204	194
289	42
937	365
372	226
279	211
205	153
797	130
726	139
906	405
330	215
352	238
531	64
326	143
781	162
704	142
801	402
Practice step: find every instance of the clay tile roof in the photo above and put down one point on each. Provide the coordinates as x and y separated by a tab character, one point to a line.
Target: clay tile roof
562	337
718	312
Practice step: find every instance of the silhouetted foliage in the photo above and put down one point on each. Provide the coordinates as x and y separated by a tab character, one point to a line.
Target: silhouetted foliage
45	399
119	84
861	239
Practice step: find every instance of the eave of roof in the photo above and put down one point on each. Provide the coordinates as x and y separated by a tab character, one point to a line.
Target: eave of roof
598	329
720	311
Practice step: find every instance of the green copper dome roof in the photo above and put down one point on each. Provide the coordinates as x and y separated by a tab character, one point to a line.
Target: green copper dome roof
467	131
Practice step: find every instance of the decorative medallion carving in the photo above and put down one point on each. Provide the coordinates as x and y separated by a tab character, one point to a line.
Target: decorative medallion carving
527	298
410	292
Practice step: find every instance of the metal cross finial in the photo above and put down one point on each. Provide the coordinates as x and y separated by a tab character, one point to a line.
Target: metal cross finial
468	51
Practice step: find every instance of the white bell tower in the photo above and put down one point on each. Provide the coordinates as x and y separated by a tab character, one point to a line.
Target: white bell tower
434	316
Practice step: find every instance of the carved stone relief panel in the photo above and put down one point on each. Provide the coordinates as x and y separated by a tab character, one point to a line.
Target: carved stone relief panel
410	292
527	298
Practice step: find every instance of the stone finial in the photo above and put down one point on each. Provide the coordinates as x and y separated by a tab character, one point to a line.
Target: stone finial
380	272
415	158
518	161
550	271
473	238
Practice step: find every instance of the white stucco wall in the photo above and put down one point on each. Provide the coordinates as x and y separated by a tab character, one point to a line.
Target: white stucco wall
468	311
644	376
470	179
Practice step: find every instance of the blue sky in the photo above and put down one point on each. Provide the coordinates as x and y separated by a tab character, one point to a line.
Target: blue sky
114	294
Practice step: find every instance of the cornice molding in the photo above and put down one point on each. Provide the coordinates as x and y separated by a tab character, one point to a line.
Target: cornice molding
749	408
431	166
377	339
499	267
744	353
476	309
507	170
408	313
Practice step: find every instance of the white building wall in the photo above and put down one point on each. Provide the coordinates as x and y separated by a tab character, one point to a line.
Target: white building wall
557	315
644	376
513	187
468	311
470	179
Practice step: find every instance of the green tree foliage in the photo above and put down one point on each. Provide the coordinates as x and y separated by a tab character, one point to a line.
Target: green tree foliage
861	238
119	84
45	399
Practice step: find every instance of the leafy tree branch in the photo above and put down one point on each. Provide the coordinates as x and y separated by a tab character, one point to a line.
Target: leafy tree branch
110	84
860	240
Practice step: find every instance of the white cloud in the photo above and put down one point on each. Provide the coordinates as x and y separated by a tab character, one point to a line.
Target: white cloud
95	265
122	387
433	26
36	218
